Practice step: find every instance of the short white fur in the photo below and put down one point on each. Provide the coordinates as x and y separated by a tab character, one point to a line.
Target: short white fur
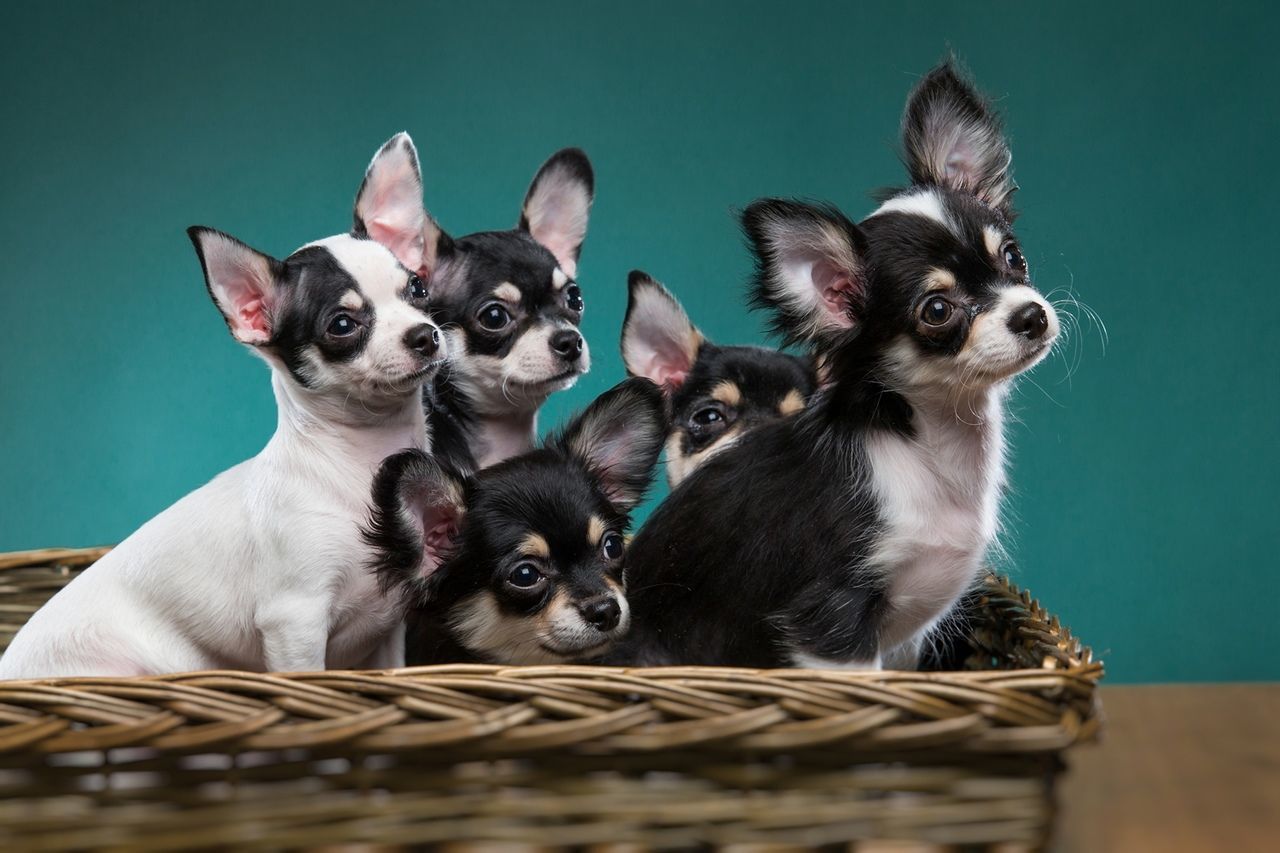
264	567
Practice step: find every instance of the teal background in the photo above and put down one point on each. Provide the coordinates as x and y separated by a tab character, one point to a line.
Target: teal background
1145	473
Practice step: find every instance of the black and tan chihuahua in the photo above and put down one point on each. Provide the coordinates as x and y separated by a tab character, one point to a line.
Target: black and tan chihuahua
839	537
522	562
717	393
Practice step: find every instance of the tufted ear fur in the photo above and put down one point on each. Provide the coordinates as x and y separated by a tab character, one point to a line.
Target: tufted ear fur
389	208
659	342
241	281
618	439
809	268
556	207
952	138
418	506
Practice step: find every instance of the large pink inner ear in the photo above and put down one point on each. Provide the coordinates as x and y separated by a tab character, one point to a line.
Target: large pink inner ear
242	282
841	292
558	204
389	204
440	525
658	341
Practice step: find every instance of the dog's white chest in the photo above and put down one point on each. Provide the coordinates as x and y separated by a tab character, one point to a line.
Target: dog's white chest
939	504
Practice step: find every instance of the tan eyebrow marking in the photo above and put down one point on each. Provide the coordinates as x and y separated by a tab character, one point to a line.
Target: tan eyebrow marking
535	545
507	292
993	238
940	279
595	529
792	403
352	301
727	392
559	279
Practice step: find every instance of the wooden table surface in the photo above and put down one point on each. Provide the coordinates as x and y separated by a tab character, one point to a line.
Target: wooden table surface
1179	768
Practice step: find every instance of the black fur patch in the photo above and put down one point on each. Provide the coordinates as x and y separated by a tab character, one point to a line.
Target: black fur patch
314	282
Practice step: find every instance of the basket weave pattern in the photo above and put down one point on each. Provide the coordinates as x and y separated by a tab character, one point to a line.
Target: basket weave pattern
559	755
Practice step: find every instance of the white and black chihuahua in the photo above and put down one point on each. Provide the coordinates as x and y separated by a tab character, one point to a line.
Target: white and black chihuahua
264	568
717	393
522	562
837	538
508	301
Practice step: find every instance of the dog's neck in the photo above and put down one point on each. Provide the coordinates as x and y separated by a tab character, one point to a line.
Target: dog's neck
500	437
347	430
959	431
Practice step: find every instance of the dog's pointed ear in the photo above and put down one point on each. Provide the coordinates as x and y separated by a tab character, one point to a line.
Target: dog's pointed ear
242	282
618	439
417	510
951	137
557	205
389	207
658	340
810	269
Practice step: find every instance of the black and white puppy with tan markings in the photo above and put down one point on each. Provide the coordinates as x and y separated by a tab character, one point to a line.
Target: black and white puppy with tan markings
508	300
717	393
841	536
522	562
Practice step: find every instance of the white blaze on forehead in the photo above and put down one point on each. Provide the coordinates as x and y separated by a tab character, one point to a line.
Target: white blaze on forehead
507	292
377	272
924	203
559	279
992	237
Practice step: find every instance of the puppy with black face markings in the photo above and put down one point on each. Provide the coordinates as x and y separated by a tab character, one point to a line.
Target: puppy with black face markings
717	393
840	537
522	562
508	300
262	568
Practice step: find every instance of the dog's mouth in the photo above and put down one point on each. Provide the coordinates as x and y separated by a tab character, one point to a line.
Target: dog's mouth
585	650
407	381
540	384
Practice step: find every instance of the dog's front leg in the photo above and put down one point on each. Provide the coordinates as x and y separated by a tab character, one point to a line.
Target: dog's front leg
295	632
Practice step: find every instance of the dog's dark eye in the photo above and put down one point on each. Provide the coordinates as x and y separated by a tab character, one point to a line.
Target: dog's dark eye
1013	257
493	317
936	311
707	418
417	290
342	325
525	576
573	297
612	546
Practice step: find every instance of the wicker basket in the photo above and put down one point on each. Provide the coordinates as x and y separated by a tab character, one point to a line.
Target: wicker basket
548	757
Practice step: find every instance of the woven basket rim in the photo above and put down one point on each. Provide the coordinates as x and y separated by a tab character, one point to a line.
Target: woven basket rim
470	711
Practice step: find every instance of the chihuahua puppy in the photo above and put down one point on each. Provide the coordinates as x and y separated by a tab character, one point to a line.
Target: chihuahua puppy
263	568
717	393
520	563
838	537
508	300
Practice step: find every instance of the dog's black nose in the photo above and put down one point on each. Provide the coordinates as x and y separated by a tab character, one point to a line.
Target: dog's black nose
567	344
423	339
1029	321
602	612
